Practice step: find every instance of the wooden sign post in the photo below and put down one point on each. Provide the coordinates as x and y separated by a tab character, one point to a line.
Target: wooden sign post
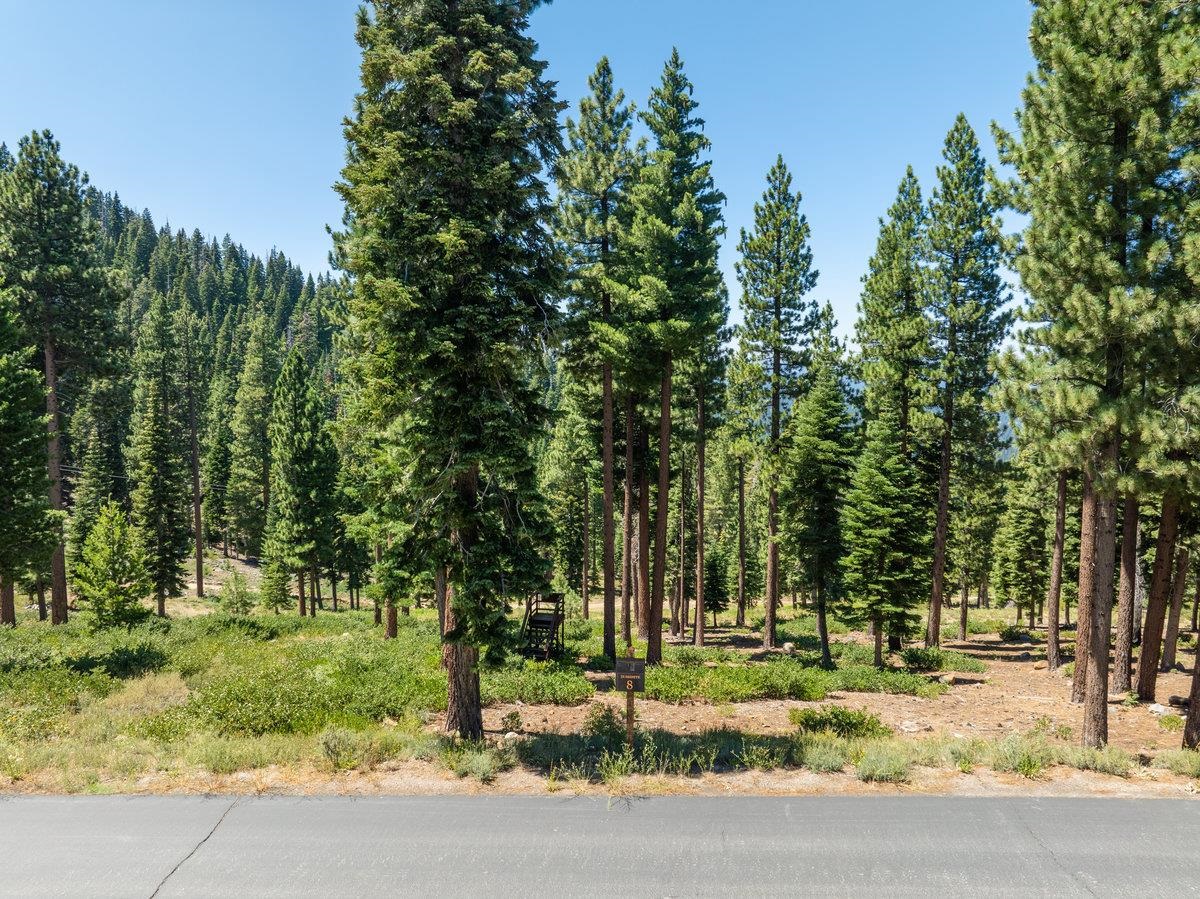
630	675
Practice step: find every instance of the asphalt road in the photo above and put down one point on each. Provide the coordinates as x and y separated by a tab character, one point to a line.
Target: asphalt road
571	846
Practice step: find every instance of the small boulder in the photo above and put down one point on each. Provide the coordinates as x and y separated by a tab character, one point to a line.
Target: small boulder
789	648
1160	709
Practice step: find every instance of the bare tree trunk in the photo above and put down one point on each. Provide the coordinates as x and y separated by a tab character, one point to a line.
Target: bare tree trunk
627	529
315	598
609	550
1191	729
878	629
1095	707
1087	553
1156	605
1182	558
333	589
464	711
933	634
390	631
1054	592
682	607
41	597
823	626
585	585
300	587
8	601
58	559
1196	610
741	597
643	606
962	612
654	640
698	634
1123	652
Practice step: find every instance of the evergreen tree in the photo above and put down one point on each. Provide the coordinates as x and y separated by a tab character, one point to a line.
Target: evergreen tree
454	267
814	476
893	329
885	535
158	455
111	577
776	274
1094	156
192	376
1021	564
967	310
64	300
248	494
673	242
594	177
24	515
741	440
218	458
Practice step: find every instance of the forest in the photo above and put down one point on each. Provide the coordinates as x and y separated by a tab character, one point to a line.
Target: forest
243	506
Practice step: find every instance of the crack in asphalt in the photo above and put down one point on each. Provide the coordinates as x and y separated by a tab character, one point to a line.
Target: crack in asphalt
195	848
1074	875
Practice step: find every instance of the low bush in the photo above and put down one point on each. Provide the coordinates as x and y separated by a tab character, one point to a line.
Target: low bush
782	679
869	679
1012	633
1170	723
884	762
528	681
1108	760
478	760
840	721
1179	761
823	753
1025	754
933	658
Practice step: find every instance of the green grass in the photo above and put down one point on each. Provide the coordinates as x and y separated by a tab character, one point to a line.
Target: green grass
885	762
917	658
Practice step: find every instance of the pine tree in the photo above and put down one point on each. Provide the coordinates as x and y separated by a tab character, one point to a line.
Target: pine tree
446	238
24	515
776	274
594	178
741	439
1020	541
192	375
248	494
158	455
64	300
1093	156
885	535
893	329
967	309
673	242
111	578
814	477
218	457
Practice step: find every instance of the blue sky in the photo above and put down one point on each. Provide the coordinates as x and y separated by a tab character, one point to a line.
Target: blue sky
226	115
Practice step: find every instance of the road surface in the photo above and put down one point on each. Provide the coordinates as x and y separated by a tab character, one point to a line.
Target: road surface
571	846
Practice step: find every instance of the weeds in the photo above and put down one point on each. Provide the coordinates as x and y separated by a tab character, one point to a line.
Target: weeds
839	721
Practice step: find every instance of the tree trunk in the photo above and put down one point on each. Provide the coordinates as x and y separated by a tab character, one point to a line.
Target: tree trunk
654	640
627	530
8	601
197	519
698	634
1196	611
1156	604
878	628
58	559
1123	651
333	590
303	602
1054	591
464	711
823	627
643	592
1087	553
1182	558
41	597
390	631
962	612
315	598
378	613
741	597
1191	729
933	635
584	583
681	567
1095	708
609	550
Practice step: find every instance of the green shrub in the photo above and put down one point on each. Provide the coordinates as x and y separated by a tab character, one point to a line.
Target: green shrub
884	762
1024	754
1179	761
840	721
523	680
478	760
342	748
1170	723
1107	760
824	753
235	598
869	679
37	703
511	722
602	722
933	658
1012	633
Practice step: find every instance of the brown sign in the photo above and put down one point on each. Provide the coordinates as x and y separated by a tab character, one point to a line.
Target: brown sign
630	675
